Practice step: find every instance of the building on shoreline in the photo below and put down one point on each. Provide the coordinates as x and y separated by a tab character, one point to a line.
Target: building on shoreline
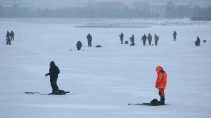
13	4
161	7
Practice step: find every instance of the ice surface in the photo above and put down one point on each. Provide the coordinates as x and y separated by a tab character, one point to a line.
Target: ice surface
102	81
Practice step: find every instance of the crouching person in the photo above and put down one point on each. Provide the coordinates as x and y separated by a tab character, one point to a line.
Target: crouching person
132	40
78	45
197	42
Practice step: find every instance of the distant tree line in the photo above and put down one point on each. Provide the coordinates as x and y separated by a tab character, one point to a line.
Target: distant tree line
105	10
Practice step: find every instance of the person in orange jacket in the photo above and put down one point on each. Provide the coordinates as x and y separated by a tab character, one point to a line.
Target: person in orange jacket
161	83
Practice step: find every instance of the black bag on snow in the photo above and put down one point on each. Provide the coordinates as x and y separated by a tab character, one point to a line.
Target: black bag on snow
98	46
154	102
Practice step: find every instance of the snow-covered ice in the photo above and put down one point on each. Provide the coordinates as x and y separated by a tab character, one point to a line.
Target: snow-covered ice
102	81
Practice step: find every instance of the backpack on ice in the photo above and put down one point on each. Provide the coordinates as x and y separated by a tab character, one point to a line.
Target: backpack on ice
154	102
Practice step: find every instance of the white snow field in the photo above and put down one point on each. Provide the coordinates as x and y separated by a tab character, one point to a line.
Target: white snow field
102	81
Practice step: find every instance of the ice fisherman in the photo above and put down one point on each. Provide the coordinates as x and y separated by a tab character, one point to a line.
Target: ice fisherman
53	72
160	83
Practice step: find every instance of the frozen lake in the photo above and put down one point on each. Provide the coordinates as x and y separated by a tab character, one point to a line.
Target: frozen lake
102	81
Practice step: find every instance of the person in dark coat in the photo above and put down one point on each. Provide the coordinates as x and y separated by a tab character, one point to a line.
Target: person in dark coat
149	38
132	40
12	35
174	36
197	42
53	72
78	45
121	37
89	39
8	40
156	39
144	38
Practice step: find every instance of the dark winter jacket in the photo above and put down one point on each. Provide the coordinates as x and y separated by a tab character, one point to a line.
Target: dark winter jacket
12	34
89	38
174	33
79	45
144	38
132	40
197	42
8	35
150	37
121	36
54	70
156	38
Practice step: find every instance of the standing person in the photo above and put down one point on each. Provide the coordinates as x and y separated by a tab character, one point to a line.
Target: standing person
197	42
78	45
161	83
8	40
174	36
53	72
144	38
89	39
156	39
121	37
149	38
12	35
132	40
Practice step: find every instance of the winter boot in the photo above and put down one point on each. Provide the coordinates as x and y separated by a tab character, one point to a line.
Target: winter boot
162	100
57	92
60	92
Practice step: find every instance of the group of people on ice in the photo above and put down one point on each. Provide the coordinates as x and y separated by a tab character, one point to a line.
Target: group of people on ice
9	37
144	39
132	40
89	40
161	80
149	38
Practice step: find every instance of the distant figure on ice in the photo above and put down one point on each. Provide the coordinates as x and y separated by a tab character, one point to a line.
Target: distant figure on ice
160	83
78	45
156	39
121	37
197	42
53	72
149	38
89	39
132	40
174	36
144	38
8	40
12	35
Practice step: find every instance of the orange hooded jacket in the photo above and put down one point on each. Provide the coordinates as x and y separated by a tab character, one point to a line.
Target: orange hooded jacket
161	78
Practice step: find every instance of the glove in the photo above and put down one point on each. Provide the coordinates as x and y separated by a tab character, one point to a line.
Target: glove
46	74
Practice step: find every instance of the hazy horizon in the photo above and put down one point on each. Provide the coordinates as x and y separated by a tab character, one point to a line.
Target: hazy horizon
64	3
69	3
